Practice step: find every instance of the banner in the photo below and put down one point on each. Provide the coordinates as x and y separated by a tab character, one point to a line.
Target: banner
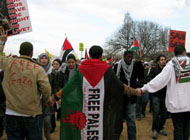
176	38
187	41
82	101
15	17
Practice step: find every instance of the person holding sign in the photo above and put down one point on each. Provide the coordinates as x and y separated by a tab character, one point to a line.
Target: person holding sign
24	83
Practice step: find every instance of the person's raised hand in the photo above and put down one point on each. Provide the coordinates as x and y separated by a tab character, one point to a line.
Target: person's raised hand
4	34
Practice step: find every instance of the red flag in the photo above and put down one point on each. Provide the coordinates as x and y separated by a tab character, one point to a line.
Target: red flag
65	50
67	45
86	54
135	46
110	59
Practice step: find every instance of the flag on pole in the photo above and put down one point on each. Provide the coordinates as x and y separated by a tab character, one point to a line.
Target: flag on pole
86	54
49	54
135	46
110	59
66	50
140	52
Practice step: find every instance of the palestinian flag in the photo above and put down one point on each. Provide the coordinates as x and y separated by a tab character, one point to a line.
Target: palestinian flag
83	101
135	46
66	50
183	65
110	59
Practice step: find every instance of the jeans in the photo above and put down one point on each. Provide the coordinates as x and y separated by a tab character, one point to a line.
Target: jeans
47	121
181	123
19	128
141	104
159	113
130	118
150	105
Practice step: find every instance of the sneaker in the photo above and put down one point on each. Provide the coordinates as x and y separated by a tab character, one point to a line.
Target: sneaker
155	134
162	132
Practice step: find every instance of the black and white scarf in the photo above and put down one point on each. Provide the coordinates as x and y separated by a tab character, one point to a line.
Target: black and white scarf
128	69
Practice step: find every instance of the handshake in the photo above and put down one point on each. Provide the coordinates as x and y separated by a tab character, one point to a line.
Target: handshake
132	91
139	92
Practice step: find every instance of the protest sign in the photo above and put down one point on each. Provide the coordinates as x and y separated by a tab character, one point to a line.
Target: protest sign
15	12
187	41
176	38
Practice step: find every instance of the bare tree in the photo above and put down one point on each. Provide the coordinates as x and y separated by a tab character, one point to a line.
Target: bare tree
152	37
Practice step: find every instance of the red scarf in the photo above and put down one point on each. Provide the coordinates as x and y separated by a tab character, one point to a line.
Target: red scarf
93	70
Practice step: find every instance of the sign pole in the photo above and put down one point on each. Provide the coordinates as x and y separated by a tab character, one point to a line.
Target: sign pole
81	48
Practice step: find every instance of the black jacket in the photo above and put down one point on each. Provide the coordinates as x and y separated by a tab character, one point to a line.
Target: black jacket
137	74
63	77
53	80
153	73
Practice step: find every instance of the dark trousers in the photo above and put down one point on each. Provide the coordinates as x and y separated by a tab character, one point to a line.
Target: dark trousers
1	126
181	123
19	128
59	114
159	113
53	122
150	105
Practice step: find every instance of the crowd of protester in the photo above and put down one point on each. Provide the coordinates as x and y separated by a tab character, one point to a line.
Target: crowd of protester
32	88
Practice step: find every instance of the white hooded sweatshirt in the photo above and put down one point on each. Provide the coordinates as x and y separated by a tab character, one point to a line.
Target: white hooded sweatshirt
176	76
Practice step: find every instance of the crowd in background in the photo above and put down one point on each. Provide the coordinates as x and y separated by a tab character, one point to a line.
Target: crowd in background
47	79
59	73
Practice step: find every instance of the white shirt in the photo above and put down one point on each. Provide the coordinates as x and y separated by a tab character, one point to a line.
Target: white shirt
177	95
14	113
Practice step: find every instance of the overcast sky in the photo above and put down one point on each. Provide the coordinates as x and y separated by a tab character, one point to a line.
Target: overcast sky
92	21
